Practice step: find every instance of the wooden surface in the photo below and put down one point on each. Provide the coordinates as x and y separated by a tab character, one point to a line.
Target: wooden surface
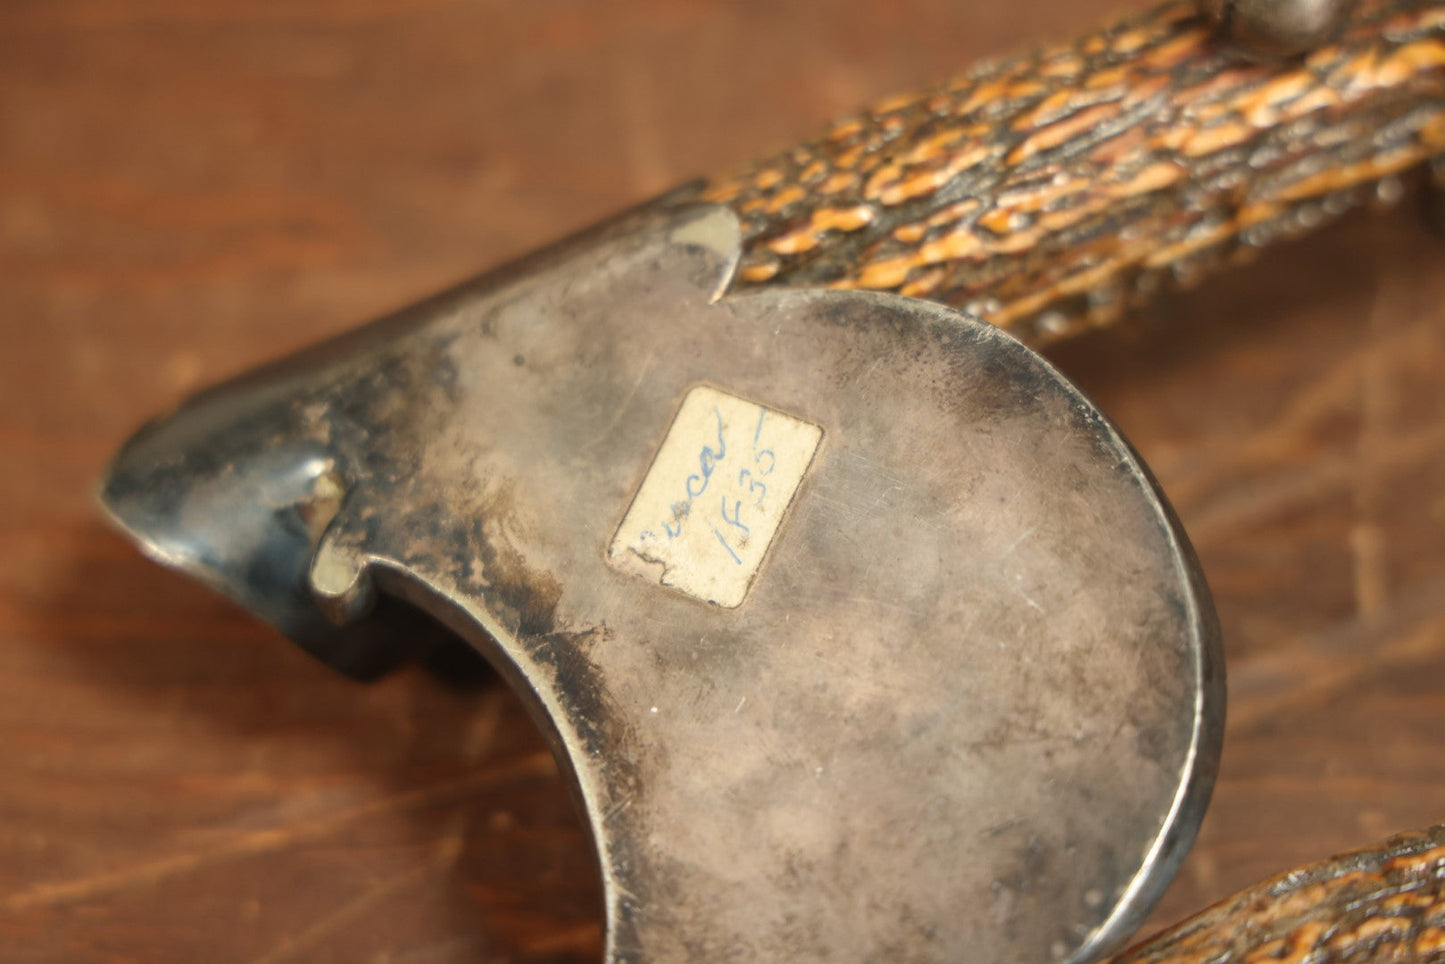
187	189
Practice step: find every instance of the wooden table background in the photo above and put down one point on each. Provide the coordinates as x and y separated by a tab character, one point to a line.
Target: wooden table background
189	188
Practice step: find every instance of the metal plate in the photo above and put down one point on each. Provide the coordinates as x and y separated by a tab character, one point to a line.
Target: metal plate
966	703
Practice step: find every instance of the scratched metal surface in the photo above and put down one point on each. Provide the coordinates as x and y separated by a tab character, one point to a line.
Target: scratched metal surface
185	191
955	709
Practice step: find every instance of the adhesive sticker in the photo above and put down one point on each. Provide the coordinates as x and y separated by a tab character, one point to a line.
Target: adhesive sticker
714	497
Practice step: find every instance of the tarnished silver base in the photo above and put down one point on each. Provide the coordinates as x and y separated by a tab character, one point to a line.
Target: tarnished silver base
865	636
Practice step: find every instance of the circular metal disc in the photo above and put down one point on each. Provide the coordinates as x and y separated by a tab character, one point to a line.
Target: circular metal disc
864	634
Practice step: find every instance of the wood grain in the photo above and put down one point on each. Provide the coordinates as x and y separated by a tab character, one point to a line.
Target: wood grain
186	190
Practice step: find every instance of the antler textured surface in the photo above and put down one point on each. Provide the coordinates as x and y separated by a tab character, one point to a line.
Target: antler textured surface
1050	191
1385	904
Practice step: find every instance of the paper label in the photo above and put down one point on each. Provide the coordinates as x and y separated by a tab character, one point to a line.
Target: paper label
714	497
